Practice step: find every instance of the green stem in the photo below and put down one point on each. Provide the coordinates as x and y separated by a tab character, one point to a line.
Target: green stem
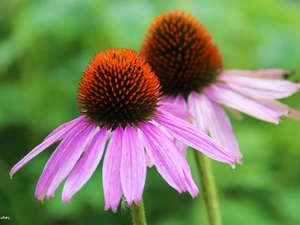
208	187
138	214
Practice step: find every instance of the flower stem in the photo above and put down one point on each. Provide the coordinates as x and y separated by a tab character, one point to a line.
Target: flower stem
138	214
208	187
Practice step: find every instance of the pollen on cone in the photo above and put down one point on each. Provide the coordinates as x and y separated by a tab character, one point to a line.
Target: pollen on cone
181	53
118	88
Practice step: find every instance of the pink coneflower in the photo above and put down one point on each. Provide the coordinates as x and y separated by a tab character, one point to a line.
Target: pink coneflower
119	97
190	69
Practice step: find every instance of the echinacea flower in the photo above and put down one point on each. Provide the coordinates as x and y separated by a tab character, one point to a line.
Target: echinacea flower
119	97
190	69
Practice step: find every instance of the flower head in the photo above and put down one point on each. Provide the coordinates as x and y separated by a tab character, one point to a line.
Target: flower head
181	52
190	68
118	96
118	88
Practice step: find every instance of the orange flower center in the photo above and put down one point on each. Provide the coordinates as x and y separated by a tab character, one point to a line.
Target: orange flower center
181	53
118	88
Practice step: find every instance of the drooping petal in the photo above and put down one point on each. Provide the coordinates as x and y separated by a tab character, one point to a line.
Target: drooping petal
168	159
163	153
235	113
288	111
182	146
69	124
111	171
198	140
149	161
86	166
223	95
179	100
70	158
91	138
220	128
179	144
197	107
266	73
261	88
41	147
133	166
55	161
177	111
167	99
191	185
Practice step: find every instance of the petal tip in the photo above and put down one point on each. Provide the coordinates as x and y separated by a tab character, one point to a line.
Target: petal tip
66	200
107	207
40	198
129	201
287	74
195	193
137	202
50	195
114	209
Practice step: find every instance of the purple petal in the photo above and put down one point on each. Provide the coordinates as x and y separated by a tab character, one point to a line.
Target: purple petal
198	109
223	95
220	128
198	140
133	166
261	88
111	171
55	161
163	156
69	124
95	131
70	158
235	113
179	100
182	146
41	147
86	166
167	99
190	183
266	73
168	159
179	144
149	161
177	111
285	109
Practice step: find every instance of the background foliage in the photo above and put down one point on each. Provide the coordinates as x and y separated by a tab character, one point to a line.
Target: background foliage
44	48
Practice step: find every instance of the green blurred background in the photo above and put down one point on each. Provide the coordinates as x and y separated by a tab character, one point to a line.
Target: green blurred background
44	48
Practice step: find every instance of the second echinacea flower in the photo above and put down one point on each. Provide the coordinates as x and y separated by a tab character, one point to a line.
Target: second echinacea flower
119	96
190	69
